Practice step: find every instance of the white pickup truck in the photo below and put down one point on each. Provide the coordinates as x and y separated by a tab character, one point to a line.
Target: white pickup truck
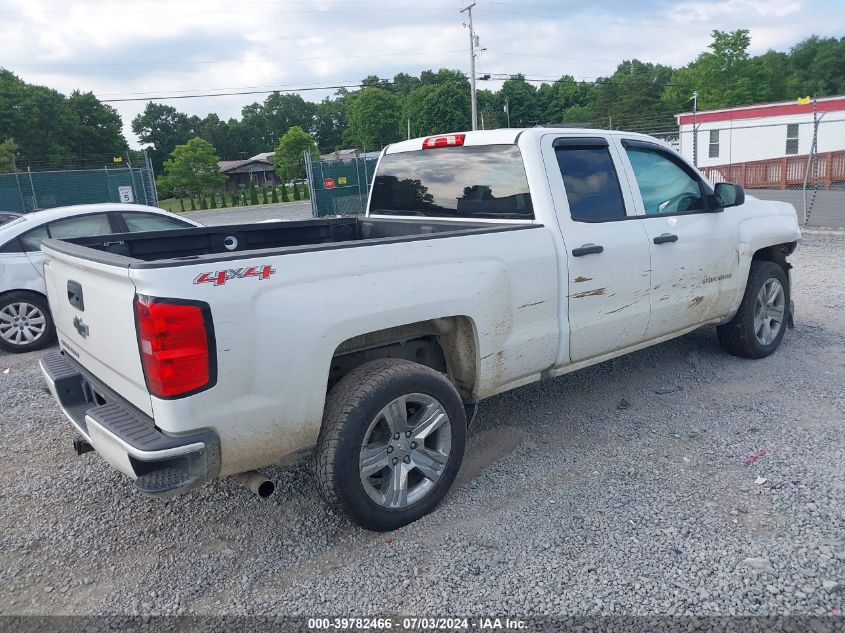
486	261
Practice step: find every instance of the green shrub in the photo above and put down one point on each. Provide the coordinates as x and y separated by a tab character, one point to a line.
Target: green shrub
213	201
296	192
203	205
284	193
182	205
305	193
274	198
193	206
253	192
265	200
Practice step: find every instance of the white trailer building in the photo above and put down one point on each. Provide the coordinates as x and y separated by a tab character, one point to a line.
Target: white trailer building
767	145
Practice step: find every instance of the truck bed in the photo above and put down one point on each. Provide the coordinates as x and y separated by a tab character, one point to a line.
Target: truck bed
221	243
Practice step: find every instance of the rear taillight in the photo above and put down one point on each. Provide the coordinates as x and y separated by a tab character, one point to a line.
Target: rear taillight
176	342
447	140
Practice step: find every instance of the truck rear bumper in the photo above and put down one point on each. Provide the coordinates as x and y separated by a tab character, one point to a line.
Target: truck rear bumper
161	464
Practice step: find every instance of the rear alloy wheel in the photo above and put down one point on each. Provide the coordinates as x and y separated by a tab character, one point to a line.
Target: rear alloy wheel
405	451
391	443
25	323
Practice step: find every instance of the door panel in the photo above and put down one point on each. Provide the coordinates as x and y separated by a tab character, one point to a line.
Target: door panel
607	252
693	278
694	258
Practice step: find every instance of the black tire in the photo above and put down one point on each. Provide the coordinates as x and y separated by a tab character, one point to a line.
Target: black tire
45	338
351	406
737	336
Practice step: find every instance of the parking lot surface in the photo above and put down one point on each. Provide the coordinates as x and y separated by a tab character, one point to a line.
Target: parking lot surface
631	487
257	213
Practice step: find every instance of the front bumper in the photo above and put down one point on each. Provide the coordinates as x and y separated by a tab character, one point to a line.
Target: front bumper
161	464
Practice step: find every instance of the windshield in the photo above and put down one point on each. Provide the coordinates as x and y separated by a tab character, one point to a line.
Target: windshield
483	181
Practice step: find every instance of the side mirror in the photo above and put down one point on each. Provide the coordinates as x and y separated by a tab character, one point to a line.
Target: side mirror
727	194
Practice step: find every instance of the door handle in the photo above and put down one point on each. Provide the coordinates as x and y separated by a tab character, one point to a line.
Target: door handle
587	249
74	295
665	238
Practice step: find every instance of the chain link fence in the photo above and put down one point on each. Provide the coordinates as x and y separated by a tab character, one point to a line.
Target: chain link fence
30	187
797	160
340	186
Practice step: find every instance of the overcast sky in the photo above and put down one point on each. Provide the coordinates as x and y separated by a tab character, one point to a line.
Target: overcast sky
135	48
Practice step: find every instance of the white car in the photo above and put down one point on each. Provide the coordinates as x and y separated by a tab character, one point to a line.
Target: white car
25	320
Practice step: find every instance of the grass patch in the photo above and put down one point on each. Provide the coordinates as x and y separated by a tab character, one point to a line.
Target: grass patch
172	205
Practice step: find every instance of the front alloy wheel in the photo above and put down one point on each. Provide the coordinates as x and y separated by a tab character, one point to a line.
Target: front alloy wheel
769	310
759	324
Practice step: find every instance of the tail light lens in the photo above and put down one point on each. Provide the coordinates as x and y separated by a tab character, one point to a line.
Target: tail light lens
176	341
447	140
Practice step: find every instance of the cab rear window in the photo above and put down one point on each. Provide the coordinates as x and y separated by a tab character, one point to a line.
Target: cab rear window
481	181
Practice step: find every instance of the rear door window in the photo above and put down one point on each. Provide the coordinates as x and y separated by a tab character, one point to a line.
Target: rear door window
31	241
140	222
590	180
81	226
482	181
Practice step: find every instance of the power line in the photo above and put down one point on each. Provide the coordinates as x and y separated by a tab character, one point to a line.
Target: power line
230	94
252	90
167	8
233	61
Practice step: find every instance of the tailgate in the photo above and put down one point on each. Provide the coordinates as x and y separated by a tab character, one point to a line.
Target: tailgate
93	309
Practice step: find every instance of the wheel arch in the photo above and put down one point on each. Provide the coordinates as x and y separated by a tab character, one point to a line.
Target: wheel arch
446	344
28	291
776	253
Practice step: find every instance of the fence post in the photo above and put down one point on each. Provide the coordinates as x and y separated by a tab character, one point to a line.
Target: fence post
132	177
309	173
32	187
151	176
358	161
18	184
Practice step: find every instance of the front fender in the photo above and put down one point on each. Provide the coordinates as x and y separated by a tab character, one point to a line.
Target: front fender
762	223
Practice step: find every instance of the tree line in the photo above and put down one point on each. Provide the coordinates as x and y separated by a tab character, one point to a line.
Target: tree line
638	94
39	123
192	170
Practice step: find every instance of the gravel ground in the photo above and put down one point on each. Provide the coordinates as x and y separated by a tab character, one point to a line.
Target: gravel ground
620	489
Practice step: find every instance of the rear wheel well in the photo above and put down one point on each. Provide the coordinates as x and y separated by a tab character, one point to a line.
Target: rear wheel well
446	345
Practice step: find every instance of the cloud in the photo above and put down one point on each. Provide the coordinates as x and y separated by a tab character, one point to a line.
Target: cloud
172	47
736	9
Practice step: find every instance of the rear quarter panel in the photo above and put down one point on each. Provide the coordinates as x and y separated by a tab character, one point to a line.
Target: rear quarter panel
276	336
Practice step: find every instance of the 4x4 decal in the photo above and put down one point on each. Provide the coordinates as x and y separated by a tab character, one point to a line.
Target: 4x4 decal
220	277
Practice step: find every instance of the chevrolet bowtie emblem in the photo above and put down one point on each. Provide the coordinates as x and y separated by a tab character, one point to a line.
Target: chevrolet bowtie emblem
80	327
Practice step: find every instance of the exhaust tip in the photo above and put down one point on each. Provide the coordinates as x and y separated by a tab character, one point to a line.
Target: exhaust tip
265	489
257	483
81	446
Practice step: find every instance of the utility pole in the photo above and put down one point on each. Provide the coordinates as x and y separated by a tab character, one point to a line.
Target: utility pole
473	44
694	100
507	111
